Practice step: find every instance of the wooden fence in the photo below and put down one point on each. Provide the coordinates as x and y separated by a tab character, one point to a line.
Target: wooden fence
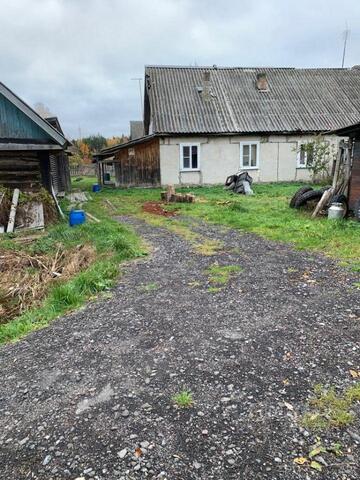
83	171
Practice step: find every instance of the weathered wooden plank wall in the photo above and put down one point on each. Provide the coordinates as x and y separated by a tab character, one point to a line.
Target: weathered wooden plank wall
20	170
355	176
60	172
14	124
139	164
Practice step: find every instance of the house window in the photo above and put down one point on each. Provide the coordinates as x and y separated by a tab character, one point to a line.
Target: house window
305	155
190	156
249	155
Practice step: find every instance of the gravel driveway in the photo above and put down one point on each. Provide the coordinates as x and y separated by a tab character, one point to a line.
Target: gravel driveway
83	397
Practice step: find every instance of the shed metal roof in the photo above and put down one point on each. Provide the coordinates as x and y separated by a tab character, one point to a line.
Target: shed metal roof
29	112
298	100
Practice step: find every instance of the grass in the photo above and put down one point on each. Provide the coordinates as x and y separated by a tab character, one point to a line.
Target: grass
220	275
266	213
329	409
200	244
113	243
183	399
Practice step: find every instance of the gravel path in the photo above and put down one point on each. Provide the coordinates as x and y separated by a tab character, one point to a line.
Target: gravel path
79	397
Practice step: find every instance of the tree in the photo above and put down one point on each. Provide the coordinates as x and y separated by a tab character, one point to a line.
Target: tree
317	156
111	142
95	142
84	151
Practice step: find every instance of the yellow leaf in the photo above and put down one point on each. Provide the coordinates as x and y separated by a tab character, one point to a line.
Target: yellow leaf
315	451
300	460
316	466
354	373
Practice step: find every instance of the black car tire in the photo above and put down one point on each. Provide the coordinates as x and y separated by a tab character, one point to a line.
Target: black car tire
298	194
309	196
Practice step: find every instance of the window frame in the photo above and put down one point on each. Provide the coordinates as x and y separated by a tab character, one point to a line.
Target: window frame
250	143
298	157
190	169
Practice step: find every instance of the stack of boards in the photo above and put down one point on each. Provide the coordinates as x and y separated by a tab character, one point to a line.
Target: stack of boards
30	216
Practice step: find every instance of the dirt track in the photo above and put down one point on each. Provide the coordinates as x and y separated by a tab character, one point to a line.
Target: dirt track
78	397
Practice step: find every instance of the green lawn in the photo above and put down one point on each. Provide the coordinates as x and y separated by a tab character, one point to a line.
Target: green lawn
266	213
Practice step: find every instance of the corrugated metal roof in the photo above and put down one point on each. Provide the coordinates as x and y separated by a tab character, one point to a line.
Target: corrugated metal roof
303	100
107	152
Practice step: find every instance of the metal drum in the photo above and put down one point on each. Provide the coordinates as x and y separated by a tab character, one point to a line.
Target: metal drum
336	211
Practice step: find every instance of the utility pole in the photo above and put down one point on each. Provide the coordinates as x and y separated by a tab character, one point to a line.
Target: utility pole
139	79
346	35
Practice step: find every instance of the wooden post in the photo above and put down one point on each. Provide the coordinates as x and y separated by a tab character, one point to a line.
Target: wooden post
329	193
15	200
2	195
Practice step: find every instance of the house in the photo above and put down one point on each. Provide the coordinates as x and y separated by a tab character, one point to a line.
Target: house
32	149
202	124
353	132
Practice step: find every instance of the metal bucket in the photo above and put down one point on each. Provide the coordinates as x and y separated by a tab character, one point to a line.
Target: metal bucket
336	211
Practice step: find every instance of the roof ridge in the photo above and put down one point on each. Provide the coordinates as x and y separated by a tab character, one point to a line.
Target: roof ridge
216	67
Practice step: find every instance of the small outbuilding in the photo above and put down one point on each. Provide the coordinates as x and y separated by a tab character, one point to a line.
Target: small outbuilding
33	151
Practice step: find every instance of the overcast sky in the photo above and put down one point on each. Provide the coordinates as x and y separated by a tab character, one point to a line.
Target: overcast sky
79	57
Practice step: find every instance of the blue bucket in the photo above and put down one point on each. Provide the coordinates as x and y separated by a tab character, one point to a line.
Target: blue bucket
76	217
96	187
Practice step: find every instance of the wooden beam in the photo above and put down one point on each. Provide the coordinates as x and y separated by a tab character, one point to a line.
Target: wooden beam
28	146
15	200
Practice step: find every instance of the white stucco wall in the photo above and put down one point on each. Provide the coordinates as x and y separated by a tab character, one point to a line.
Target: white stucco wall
220	157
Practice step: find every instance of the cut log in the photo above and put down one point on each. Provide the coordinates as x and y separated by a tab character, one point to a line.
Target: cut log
190	198
179	197
15	200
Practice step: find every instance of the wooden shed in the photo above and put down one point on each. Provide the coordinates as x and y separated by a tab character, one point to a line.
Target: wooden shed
136	163
353	132
32	151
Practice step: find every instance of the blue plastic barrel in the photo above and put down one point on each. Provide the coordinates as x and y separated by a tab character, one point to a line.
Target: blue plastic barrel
96	187
76	217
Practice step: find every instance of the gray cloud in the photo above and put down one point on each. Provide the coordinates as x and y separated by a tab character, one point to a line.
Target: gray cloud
78	56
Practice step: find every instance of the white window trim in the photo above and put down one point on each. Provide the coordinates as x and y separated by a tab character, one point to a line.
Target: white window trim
298	157
182	169
257	155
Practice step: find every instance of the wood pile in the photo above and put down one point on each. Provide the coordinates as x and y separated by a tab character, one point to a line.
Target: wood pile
170	195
